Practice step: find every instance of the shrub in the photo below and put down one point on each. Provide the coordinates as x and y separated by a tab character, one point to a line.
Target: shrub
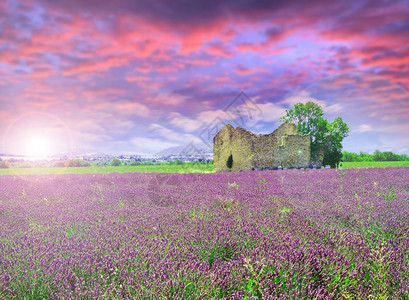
26	165
115	162
4	164
332	158
178	162
59	164
229	162
77	163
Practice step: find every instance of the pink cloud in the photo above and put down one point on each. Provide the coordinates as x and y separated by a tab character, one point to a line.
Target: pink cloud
273	36
39	73
128	107
8	57
99	93
219	50
95	66
222	79
200	61
136	78
144	68
243	70
89	57
247	71
194	41
167	99
387	60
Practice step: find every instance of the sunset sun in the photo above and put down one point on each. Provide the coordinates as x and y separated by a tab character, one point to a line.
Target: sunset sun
37	145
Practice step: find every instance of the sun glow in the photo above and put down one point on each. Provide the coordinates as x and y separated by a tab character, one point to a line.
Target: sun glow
37	145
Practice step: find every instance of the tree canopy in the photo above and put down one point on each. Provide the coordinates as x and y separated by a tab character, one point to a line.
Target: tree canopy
115	162
377	156
326	137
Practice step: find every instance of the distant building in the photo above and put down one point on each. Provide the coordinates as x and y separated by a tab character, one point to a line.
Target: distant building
284	147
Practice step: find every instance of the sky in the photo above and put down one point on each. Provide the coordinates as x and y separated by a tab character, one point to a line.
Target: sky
136	77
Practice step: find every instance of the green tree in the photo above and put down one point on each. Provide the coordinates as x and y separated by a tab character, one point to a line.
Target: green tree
363	156
115	162
59	164
326	137
229	162
4	164
76	163
390	156
349	156
378	156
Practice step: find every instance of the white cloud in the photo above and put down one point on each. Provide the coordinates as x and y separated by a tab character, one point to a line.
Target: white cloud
122	125
89	126
387	118
332	108
86	138
132	108
208	116
246	114
403	150
302	97
184	123
393	141
171	135
401	128
271	112
150	146
363	128
169	99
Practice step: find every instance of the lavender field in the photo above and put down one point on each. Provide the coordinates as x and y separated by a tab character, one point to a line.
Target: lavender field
324	234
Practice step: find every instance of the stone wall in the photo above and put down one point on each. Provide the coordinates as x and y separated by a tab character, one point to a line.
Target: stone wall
295	152
283	147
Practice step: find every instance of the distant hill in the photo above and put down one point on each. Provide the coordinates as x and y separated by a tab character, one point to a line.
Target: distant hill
201	149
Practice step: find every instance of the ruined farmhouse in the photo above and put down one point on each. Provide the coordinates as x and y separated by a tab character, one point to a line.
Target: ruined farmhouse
247	150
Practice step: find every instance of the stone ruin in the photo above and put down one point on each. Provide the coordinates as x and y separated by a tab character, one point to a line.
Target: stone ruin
284	147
